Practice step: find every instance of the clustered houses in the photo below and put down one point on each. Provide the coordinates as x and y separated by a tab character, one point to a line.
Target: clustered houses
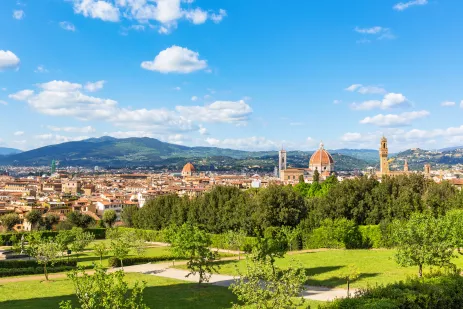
94	194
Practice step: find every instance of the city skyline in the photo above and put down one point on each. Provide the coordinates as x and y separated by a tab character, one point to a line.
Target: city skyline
236	75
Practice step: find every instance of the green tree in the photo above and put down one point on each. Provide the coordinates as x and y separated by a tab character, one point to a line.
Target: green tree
272	245
262	287
120	244
104	291
34	216
350	274
423	240
316	176
191	242
301	179
129	214
64	239
8	221
49	221
46	253
109	217
236	240
100	250
79	219
291	235
81	240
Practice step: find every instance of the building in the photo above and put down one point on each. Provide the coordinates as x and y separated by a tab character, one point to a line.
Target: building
322	161
281	160
188	170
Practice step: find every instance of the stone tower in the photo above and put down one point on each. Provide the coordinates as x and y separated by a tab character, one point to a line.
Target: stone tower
406	166
281	160
383	152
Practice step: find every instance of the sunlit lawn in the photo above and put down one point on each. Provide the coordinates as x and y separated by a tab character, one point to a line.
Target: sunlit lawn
326	268
159	293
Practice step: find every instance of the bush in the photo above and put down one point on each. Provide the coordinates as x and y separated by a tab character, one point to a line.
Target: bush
146	235
371	236
115	262
428	293
339	233
219	241
99	233
7	236
8	264
8	272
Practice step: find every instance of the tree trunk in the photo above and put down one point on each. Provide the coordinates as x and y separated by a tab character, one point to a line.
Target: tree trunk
45	271
101	260
348	288
122	264
420	271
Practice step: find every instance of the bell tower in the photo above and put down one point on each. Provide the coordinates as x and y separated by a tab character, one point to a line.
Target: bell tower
281	160
383	153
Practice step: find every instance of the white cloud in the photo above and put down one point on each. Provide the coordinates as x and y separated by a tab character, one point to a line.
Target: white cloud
395	120
351	137
3	102
177	88
372	30
97	9
353	87
67	26
93	87
337	101
18	133
8	60
22	95
57	139
405	5
380	33
41	69
60	86
217	18
196	16
175	59
366	89
390	100
254	143
203	130
448	103
87	129
18	14
461	104
220	111
194	98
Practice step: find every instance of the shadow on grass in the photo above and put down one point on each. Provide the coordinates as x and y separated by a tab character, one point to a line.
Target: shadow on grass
336	281
175	296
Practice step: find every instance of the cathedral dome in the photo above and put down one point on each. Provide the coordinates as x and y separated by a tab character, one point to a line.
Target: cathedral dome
188	168
321	157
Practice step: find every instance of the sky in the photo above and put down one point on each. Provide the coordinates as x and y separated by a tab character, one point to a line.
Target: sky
241	74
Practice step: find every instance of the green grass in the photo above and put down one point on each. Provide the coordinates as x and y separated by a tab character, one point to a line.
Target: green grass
325	268
159	293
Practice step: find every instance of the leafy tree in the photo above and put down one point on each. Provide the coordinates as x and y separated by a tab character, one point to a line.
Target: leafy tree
262	287
301	179
423	240
100	250
109	217
120	244
79	219
46	253
291	235
350	274
236	240
273	245
81	240
129	214
34	216
316	176
8	221
49	220
64	239
104	291
192	242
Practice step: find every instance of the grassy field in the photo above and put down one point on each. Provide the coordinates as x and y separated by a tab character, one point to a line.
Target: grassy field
159	293
326	268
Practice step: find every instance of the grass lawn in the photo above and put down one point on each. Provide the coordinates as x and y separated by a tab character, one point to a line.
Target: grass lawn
159	293
326	267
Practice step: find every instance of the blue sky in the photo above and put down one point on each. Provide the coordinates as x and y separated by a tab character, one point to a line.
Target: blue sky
233	73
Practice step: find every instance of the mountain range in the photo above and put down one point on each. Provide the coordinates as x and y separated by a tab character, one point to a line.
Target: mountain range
4	151
134	152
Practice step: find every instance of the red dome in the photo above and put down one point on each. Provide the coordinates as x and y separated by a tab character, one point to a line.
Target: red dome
321	157
188	168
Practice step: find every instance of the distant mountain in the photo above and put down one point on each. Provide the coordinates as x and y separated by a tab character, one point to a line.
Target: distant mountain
369	155
134	152
8	151
451	148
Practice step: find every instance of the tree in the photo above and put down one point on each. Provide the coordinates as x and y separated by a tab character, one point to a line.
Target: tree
236	240
80	220
423	240
291	235
264	288
8	221
81	240
301	179
120	244
46	252
128	215
109	217
34	216
191	242
100	249
316	176
350	274
272	245
104	291
64	239
50	220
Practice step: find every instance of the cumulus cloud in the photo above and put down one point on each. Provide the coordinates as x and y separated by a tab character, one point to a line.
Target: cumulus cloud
448	103
390	100
166	13
57	139
254	142
175	59
405	5
8	60
220	111
18	14
93	87
67	26
194	98
22	95
395	120
41	69
202	130
18	133
86	129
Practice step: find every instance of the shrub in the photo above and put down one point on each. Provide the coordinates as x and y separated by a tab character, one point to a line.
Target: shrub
99	233
146	235
427	293
339	233
8	272
9	264
115	262
371	236
219	241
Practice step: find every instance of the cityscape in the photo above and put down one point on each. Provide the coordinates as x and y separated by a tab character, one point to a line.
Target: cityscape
231	154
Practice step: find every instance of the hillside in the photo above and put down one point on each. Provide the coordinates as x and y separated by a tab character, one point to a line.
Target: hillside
135	152
417	158
4	151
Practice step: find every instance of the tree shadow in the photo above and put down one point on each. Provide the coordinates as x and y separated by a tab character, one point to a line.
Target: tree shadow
336	281
174	296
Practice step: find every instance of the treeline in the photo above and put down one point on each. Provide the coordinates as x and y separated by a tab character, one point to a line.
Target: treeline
361	201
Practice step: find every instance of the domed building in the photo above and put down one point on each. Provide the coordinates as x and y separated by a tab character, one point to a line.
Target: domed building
322	161
188	170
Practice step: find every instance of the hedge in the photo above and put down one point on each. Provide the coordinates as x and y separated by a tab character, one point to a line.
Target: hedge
99	233
371	236
8	272
115	262
6	264
440	292
147	235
